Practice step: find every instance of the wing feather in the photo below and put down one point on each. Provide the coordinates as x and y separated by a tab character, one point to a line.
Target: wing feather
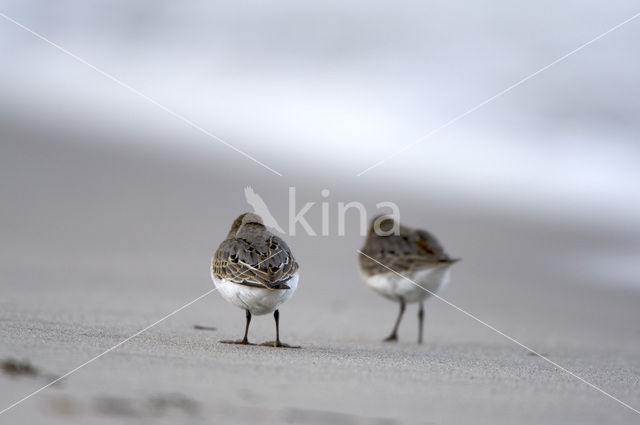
268	263
409	250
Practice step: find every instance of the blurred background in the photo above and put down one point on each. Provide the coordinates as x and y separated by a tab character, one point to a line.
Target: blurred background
323	92
107	198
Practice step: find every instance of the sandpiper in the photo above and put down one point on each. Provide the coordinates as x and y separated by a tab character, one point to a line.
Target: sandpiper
413	253
254	270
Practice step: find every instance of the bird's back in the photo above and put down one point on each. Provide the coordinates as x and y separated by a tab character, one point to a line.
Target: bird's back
254	255
408	250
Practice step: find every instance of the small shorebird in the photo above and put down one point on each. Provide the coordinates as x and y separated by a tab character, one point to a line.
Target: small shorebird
254	270
409	252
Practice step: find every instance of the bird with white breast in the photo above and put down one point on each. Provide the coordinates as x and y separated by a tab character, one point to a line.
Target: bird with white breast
404	265
255	270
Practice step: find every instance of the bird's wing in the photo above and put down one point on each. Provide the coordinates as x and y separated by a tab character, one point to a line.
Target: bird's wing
269	264
424	250
402	253
427	245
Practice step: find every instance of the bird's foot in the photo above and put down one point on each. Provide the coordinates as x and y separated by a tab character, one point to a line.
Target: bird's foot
278	344
240	342
391	338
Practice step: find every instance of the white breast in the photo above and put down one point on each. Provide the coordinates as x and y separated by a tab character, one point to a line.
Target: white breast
257	300
394	287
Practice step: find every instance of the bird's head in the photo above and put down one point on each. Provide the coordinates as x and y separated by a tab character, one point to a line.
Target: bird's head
251	218
246	218
382	225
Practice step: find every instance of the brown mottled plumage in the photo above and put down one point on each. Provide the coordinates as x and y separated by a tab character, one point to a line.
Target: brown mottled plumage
252	256
402	251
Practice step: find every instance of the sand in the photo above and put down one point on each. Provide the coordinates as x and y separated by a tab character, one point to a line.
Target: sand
100	240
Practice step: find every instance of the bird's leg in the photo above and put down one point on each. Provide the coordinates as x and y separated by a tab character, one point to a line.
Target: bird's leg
394	334
245	340
277	343
420	321
276	316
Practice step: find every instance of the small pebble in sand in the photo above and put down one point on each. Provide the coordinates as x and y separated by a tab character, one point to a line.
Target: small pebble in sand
204	328
531	353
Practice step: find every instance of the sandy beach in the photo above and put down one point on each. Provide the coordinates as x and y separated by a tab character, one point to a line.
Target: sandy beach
100	241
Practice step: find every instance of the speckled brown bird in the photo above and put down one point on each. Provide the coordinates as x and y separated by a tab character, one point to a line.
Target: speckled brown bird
255	270
391	250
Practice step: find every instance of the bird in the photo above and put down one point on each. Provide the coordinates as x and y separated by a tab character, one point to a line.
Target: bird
255	270
260	208
404	265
